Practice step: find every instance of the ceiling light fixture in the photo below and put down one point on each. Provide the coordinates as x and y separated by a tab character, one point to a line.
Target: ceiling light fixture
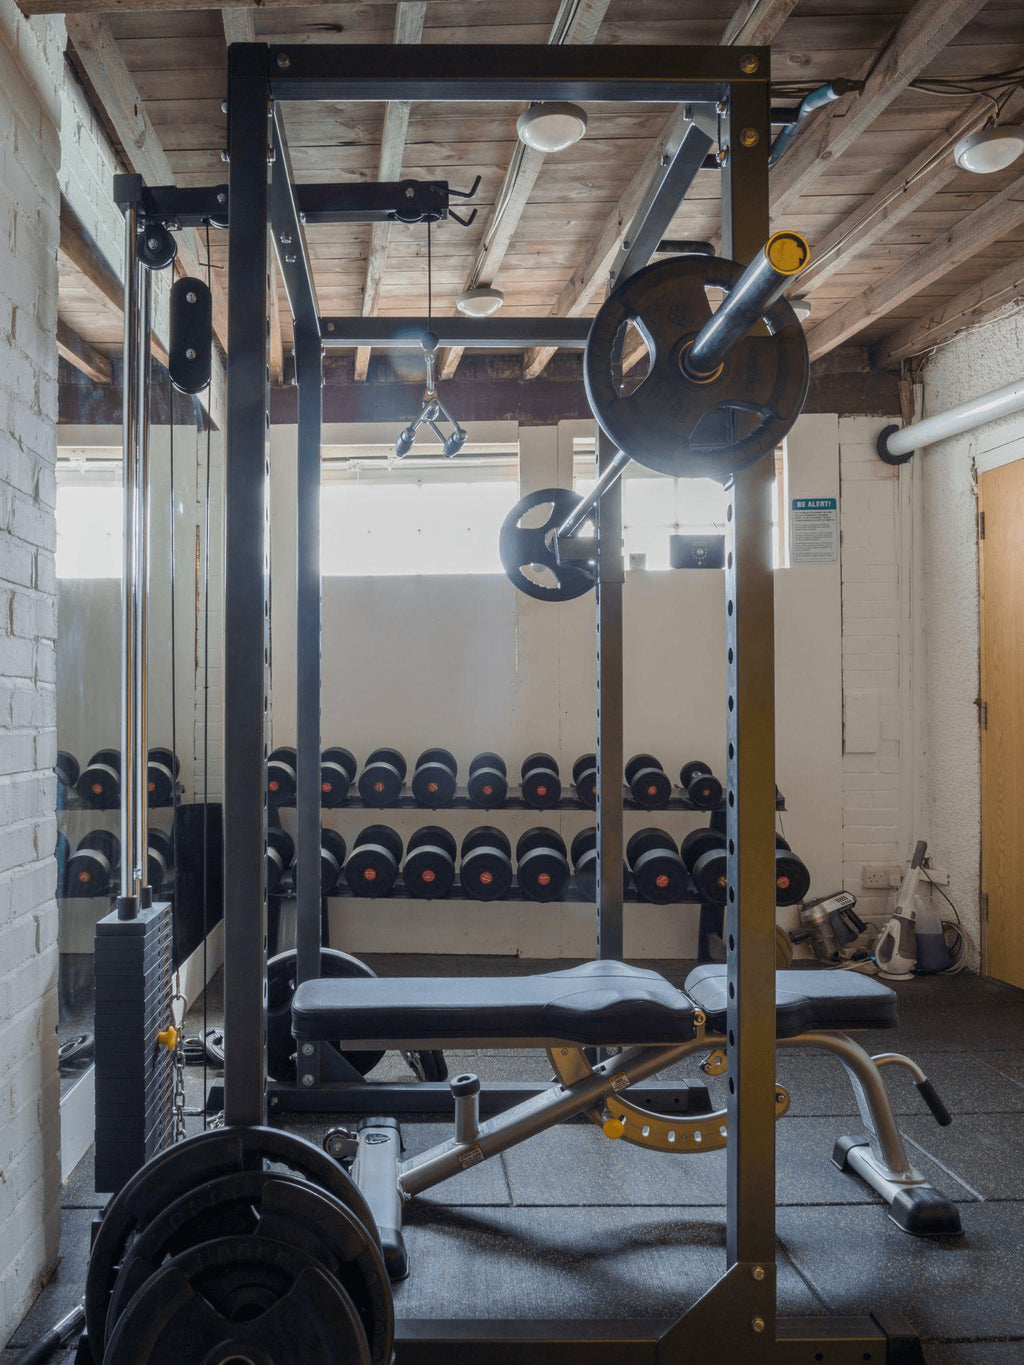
551	127
993	149
480	302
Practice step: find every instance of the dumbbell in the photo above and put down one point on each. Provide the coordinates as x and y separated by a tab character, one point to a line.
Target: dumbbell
281	776
488	781
62	853
700	785
280	856
792	879
584	780
162	769
94	863
657	868
337	773
429	871
648	782
704	854
100	782
159	859
68	769
542	869
434	778
332	860
541	785
382	778
486	863
372	867
583	852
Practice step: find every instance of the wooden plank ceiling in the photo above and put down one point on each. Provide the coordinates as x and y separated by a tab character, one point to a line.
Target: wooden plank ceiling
907	247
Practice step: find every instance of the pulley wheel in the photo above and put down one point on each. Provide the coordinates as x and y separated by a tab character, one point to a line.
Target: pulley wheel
281	983
528	549
266	1204
184	1167
240	1300
677	424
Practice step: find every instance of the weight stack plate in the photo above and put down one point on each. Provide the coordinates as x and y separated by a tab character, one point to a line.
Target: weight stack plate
134	1074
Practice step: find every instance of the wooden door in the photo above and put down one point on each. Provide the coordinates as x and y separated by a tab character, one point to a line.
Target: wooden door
1001	493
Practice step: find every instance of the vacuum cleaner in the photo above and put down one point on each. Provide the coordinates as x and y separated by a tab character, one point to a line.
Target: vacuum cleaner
912	942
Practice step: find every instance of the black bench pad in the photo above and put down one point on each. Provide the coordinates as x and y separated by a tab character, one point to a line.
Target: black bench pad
804	1000
596	1003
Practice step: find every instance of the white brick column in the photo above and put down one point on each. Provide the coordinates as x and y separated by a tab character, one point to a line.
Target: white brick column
31	61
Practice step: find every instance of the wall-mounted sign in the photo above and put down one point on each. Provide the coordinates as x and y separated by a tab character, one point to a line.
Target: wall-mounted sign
814	531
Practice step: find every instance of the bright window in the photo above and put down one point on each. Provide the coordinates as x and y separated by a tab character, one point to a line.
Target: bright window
381	517
89	521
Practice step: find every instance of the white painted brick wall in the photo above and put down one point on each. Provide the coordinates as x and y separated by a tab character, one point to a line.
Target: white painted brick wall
873	575
31	64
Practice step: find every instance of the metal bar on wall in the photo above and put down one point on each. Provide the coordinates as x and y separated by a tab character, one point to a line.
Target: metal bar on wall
498	334
750	793
308	631
246	583
609	710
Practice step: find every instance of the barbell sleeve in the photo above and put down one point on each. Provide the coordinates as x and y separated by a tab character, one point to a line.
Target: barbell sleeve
579	514
783	256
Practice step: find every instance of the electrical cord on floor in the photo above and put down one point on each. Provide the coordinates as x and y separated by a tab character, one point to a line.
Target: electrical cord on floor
959	943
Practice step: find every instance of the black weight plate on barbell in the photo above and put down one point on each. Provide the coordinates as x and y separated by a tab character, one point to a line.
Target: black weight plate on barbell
337	772
528	551
711	875
183	1167
433	834
281	982
543	873
429	872
697	843
282	1208
792	879
235	1300
670	422
644	840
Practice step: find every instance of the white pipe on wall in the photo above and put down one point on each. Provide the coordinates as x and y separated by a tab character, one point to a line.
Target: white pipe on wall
896	445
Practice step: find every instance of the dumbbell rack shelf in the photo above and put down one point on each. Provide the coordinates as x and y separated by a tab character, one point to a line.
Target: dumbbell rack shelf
677	804
513	896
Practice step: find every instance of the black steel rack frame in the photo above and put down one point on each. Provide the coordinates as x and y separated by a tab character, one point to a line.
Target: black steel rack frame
726	90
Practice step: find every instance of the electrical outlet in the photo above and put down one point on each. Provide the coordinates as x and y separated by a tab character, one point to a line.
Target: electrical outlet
879	876
939	875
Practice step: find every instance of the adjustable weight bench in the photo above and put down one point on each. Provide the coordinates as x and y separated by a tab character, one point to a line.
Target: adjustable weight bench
641	1024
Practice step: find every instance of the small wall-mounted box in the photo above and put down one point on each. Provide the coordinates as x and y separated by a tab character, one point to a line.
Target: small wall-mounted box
696	552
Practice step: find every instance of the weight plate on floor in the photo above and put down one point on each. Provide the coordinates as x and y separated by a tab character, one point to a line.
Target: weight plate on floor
282	1208
528	551
184	1167
684	426
281	982
235	1300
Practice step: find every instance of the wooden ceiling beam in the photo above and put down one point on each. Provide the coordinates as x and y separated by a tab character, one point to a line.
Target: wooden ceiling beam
930	171
1000	216
577	22
119	100
753	22
239	25
972	305
924	31
83	354
409	19
32	7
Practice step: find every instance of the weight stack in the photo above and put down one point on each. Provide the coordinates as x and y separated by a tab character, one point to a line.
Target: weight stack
134	1073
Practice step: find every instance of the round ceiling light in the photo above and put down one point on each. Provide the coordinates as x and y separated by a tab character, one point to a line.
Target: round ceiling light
551	127
480	302
991	150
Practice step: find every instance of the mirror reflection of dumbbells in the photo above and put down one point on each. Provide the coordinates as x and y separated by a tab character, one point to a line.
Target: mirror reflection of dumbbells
485	863
94	864
487	784
705	854
337	773
583	852
540	783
